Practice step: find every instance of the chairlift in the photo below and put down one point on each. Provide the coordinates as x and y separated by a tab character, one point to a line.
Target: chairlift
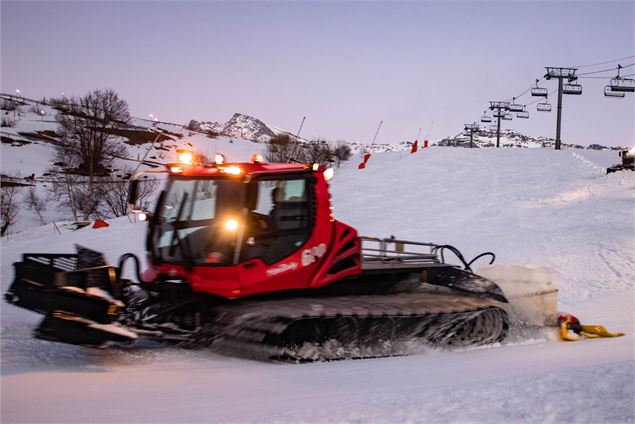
539	91
508	117
524	114
486	117
543	107
610	92
621	84
499	114
571	88
515	107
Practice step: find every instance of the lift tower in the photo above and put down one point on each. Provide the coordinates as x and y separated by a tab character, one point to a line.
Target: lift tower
499	109
561	74
471	128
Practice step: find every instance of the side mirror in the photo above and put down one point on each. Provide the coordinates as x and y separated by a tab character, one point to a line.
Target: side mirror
133	190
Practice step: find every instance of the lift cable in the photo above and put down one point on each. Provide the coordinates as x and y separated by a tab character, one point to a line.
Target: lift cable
603	63
625	75
606	70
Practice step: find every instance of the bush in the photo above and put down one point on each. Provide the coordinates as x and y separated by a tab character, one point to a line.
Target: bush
7	122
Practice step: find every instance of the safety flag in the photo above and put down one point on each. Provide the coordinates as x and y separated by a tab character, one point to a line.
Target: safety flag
425	143
414	147
363	164
100	224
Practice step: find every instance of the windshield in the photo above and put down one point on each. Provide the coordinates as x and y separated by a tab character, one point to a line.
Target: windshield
223	221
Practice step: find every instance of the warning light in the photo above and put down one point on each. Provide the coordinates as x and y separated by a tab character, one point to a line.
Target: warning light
185	157
143	216
234	170
328	174
219	159
256	158
176	169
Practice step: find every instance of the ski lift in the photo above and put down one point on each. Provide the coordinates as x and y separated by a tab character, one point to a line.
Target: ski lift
524	114
621	84
508	117
499	114
610	92
486	117
539	91
543	107
572	88
515	107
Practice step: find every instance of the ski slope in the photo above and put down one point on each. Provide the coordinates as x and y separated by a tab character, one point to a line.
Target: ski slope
529	206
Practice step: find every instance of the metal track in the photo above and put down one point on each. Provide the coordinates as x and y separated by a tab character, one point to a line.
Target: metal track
313	329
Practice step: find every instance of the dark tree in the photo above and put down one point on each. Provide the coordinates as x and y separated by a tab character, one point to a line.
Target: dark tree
87	141
283	149
9	207
341	152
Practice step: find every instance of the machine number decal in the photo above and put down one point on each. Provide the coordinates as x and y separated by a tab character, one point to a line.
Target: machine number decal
282	268
313	254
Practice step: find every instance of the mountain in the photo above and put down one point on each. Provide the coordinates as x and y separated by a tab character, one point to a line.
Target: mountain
239	125
509	138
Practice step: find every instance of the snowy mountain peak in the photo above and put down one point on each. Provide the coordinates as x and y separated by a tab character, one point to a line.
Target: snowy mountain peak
239	125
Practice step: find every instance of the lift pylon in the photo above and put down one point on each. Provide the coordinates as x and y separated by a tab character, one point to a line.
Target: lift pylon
471	128
499	110
561	74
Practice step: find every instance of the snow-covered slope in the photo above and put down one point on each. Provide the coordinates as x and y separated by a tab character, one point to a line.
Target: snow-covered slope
529	206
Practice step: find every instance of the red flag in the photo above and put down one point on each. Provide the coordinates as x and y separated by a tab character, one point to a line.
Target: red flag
414	147
100	224
363	164
425	143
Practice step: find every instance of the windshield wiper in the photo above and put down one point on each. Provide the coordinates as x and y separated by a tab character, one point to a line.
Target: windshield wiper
185	251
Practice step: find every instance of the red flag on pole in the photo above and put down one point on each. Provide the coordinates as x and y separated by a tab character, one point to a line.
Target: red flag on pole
414	147
425	143
100	224
363	164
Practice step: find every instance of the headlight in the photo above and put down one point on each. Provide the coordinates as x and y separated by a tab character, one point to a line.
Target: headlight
231	224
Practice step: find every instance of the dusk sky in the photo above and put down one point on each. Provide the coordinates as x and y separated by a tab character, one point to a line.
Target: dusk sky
345	66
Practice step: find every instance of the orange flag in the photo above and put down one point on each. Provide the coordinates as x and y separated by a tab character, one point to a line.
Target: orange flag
414	147
363	164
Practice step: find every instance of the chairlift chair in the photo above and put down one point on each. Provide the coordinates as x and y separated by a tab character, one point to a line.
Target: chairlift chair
572	88
524	114
623	85
543	107
486	117
499	114
539	91
508	117
609	92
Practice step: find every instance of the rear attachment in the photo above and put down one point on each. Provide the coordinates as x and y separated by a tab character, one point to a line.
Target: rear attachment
74	293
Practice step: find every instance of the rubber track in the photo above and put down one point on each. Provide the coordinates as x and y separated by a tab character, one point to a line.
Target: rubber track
314	329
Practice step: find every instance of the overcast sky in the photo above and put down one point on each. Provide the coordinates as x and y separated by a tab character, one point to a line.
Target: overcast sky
345	66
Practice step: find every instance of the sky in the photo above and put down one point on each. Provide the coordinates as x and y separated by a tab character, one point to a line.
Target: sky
345	66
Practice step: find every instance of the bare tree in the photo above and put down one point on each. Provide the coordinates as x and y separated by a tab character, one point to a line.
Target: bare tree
36	204
318	151
114	194
65	188
9	207
84	128
341	152
283	148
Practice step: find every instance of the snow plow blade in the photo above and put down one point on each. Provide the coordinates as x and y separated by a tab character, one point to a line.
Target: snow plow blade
66	328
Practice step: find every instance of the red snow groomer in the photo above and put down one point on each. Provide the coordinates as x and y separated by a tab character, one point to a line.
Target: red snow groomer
247	258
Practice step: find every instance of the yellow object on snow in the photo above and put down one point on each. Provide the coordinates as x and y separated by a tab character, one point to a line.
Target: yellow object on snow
587	332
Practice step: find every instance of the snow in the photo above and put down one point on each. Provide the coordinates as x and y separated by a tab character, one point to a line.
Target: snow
532	207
